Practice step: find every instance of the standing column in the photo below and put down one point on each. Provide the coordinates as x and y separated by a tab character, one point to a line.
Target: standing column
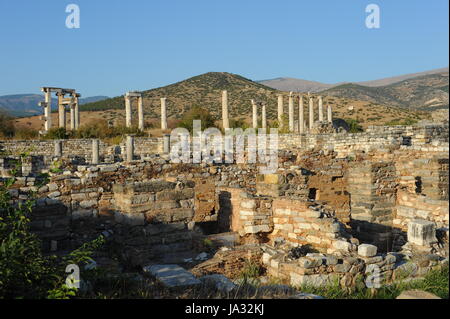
127	111
130	148
140	114
301	120
163	114
291	112
254	114
226	122
320	109
48	110
72	114
61	111
166	143
95	151
329	114
311	113
58	148
280	111
77	112
263	116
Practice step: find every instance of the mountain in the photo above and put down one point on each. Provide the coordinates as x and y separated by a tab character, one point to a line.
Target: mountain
296	85
426	92
27	104
299	85
205	90
202	90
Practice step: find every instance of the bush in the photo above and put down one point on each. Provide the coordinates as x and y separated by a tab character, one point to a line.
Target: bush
57	133
24	271
354	126
6	126
26	134
197	113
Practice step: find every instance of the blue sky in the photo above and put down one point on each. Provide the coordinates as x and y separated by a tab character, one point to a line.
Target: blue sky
142	44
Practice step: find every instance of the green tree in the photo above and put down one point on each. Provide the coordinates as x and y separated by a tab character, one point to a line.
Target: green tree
197	113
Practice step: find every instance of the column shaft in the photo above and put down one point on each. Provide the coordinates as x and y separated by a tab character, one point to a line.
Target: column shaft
226	122
320	109
61	112
280	111
301	120
95	151
329	114
140	114
263	116
127	111
254	114
48	110
311	113
291	112
163	114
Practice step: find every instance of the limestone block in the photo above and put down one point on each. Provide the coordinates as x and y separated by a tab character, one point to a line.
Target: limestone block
366	250
318	280
172	276
421	232
342	245
257	229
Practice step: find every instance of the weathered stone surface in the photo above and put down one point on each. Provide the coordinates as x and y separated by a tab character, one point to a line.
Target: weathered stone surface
172	276
417	294
421	232
219	282
367	250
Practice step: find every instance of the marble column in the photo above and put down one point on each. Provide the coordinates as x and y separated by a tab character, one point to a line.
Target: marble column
320	109
301	119
48	110
163	114
127	111
226	122
263	116
95	151
72	116
166	143
329	114
129	148
280	111
58	148
291	112
61	111
140	113
77	112
311	113
254	114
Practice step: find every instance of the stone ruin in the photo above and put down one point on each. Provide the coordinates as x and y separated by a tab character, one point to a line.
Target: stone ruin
365	208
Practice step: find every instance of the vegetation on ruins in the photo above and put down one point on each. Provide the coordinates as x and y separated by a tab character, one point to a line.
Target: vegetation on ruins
25	272
407	121
354	126
435	282
197	113
99	129
6	126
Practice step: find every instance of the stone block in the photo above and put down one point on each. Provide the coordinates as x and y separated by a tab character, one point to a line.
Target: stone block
366	250
421	232
172	276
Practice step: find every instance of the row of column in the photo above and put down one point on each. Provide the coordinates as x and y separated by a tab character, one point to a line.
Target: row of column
291	113
72	102
129	96
96	149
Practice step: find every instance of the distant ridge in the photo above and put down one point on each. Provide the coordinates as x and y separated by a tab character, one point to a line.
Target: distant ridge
27	104
300	85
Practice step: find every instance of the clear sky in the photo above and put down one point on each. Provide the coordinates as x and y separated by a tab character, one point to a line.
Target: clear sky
141	44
